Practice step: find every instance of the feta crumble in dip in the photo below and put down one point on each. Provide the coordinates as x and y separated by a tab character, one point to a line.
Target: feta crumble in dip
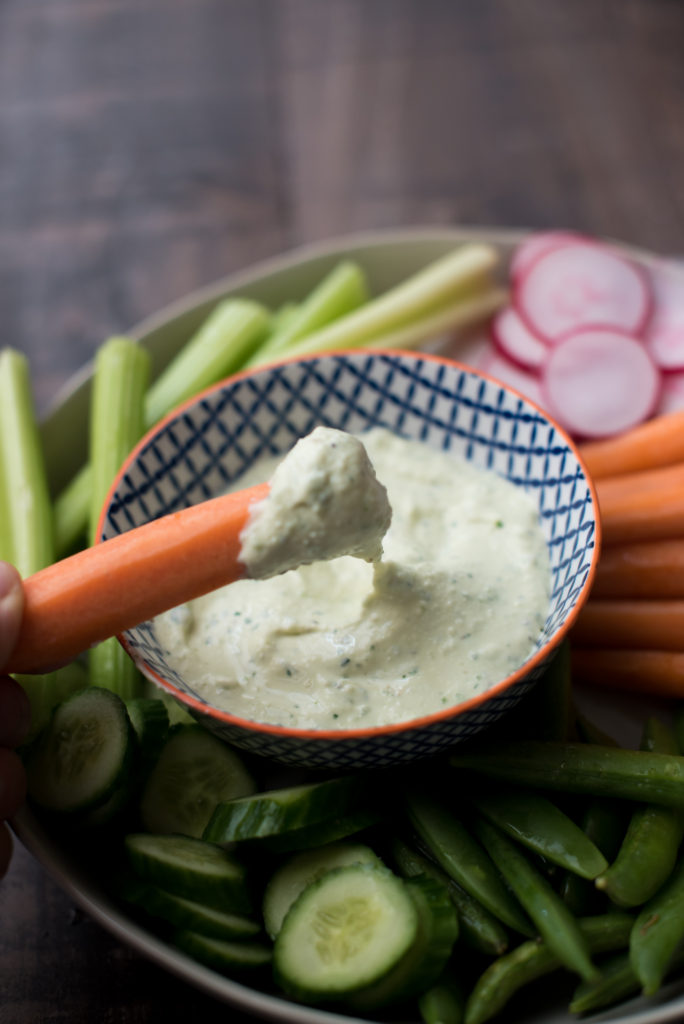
455	604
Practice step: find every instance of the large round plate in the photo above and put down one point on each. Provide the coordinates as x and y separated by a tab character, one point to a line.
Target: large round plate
387	258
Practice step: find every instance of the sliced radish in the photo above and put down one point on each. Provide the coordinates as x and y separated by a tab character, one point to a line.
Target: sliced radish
598	382
672	394
534	245
516	341
582	284
514	376
475	351
665	333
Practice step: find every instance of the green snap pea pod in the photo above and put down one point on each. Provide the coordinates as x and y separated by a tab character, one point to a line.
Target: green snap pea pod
444	1003
581	768
556	924
616	982
658	932
532	959
532	820
479	929
604	822
462	857
649	851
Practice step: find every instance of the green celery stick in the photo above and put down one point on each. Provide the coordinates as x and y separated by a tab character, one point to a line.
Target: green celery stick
221	346
116	424
282	318
218	348
460	274
468	311
339	293
26	523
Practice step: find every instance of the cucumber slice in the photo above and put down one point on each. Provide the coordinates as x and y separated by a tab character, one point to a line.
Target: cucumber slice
282	810
150	721
193	773
226	957
83	754
426	958
300	871
188	914
321	834
191	868
344	932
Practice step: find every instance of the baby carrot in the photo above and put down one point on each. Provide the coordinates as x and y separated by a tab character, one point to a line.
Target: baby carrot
644	569
105	589
626	485
644	515
658	442
641	624
655	673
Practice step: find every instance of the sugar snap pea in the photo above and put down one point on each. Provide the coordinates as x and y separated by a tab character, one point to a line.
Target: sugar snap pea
556	924
649	851
658	932
617	981
535	822
581	768
604	822
444	1003
532	959
462	857
479	929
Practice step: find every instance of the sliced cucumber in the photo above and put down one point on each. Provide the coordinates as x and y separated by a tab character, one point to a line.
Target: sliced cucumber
426	958
301	870
283	810
344	933
191	868
150	721
226	957
188	914
324	832
194	772
84	753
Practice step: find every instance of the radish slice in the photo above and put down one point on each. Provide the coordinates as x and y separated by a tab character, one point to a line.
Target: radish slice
672	394
599	382
665	334
534	245
475	351
512	375
582	284
515	340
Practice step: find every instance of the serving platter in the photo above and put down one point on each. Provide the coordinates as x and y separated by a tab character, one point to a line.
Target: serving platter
387	258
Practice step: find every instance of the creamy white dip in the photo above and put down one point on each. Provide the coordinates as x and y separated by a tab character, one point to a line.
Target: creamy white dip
455	605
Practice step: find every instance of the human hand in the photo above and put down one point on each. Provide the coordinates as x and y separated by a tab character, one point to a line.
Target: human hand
15	712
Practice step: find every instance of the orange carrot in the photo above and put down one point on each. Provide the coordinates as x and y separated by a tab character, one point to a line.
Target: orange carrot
647	569
643	515
654	625
613	488
653	673
657	442
105	589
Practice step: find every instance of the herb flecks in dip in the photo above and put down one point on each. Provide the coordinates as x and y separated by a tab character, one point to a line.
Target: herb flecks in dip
455	605
325	501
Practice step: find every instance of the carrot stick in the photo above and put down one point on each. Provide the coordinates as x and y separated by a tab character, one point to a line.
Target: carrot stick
105	589
656	625
657	442
653	673
613	488
645	515
646	569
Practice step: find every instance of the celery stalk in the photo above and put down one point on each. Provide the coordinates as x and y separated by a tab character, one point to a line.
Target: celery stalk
221	346
457	275
26	523
341	292
467	312
116	424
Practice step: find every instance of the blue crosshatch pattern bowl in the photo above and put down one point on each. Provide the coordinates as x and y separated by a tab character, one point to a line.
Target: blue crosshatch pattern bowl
200	449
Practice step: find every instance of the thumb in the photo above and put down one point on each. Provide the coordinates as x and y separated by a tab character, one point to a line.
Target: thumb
11	607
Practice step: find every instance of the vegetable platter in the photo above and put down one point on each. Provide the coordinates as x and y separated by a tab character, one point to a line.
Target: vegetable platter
510	331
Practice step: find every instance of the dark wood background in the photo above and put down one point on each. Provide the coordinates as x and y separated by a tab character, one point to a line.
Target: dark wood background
151	146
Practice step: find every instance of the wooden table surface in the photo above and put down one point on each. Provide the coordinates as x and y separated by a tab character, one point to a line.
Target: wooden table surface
151	146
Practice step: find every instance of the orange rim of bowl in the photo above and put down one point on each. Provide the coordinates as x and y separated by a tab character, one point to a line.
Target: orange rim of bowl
408	725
